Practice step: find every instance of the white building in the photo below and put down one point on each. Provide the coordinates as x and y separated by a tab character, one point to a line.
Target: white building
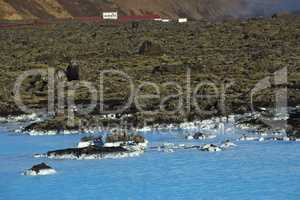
110	15
165	20
182	20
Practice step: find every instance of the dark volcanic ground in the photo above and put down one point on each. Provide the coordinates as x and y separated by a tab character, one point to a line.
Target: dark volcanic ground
237	52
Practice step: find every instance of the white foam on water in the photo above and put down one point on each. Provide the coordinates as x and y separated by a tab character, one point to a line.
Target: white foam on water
42	172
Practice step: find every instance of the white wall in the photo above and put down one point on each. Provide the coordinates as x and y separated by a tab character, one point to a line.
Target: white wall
110	15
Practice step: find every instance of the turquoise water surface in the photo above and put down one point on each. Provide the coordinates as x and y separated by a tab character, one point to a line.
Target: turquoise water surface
253	170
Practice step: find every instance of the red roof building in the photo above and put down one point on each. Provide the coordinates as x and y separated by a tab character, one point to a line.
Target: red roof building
139	17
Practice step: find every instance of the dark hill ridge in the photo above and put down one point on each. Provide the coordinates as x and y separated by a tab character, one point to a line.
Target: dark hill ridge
194	9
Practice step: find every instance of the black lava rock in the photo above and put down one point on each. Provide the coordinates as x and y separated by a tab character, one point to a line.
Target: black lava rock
72	71
39	167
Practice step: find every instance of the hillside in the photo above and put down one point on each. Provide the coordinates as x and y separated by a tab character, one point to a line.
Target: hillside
195	9
238	52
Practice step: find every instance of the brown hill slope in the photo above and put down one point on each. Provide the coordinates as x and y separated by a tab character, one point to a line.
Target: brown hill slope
45	9
195	9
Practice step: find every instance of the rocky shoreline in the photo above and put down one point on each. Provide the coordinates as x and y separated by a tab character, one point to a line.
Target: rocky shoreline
258	122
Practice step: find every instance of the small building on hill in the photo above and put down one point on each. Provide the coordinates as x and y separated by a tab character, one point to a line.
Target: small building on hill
110	16
182	20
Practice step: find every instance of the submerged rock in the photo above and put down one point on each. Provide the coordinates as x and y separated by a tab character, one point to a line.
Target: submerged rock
200	136
171	147
39	170
167	147
227	144
210	148
278	138
249	138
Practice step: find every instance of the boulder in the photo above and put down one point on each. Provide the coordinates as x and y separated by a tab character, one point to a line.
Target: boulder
39	170
150	49
72	71
198	136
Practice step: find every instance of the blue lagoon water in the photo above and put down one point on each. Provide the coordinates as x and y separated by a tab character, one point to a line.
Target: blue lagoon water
253	170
